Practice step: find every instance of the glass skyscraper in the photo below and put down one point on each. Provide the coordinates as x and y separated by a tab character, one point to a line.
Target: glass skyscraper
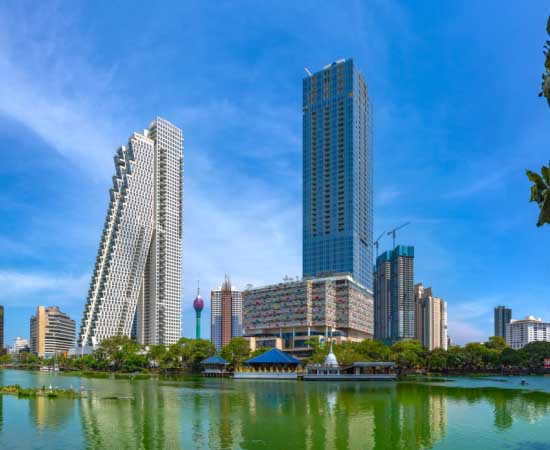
503	316
337	165
394	305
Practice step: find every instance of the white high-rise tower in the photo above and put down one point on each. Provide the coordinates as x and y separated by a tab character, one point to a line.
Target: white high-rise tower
138	270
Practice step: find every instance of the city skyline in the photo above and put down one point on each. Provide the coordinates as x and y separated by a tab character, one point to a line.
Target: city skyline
241	111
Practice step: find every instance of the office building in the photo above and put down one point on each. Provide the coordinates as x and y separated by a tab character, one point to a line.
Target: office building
394	295
138	270
289	314
226	312
52	332
20	345
431	318
503	316
519	333
337	174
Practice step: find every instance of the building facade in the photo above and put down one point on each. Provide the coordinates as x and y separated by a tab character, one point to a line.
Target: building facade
519	333
289	314
20	344
138	270
51	332
394	295
337	173
503	316
431	318
226	314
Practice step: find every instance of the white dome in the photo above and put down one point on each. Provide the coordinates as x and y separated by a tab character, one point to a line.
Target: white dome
331	360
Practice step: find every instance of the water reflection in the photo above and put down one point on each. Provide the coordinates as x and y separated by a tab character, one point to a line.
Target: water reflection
228	414
142	415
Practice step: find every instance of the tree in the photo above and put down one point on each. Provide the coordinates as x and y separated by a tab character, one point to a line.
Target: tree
496	343
437	360
535	353
116	349
546	75
194	351
540	193
373	350
156	354
236	352
510	357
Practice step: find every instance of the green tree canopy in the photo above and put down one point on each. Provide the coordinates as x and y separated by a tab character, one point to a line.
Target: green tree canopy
236	352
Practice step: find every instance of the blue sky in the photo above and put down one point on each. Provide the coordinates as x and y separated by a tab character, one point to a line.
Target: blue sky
456	122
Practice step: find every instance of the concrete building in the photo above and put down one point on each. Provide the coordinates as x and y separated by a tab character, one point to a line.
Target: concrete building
138	270
394	295
503	316
431	318
226	314
20	344
52	332
519	333
287	315
337	173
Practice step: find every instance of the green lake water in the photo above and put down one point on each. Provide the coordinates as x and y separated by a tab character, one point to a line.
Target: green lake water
200	413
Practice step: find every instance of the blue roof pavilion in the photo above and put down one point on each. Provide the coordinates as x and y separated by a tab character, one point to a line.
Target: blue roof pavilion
274	356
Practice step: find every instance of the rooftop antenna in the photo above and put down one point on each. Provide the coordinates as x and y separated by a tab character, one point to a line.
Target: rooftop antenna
392	232
308	72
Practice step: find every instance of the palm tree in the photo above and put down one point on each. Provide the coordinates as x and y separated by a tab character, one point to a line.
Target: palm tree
540	193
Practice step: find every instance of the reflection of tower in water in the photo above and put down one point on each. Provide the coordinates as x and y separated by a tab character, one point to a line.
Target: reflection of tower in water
46	412
144	415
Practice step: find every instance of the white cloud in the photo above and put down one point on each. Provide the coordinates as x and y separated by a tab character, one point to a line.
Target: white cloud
47	85
41	288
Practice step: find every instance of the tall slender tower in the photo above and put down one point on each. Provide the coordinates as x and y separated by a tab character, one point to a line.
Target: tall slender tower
198	305
394	305
138	270
226	314
503	316
337	173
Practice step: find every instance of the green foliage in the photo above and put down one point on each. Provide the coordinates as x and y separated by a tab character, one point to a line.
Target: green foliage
545	92
259	351
236	352
540	193
496	343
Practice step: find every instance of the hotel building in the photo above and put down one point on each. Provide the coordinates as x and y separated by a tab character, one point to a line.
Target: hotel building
431	318
226	314
138	269
52	332
337	173
287	315
519	333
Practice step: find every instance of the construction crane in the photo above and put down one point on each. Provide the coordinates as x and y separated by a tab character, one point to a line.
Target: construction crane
392	232
377	243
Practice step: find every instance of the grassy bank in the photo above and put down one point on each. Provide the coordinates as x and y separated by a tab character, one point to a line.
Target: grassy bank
39	392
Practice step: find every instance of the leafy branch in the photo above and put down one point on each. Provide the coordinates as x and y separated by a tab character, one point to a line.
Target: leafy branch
540	193
546	76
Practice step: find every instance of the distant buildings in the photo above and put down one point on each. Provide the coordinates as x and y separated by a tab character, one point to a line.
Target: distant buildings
503	316
52	332
225	314
138	269
287	315
431	319
519	333
337	173
394	303
19	345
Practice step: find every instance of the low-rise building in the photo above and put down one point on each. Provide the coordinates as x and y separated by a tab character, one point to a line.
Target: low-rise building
519	333
52	332
289	314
